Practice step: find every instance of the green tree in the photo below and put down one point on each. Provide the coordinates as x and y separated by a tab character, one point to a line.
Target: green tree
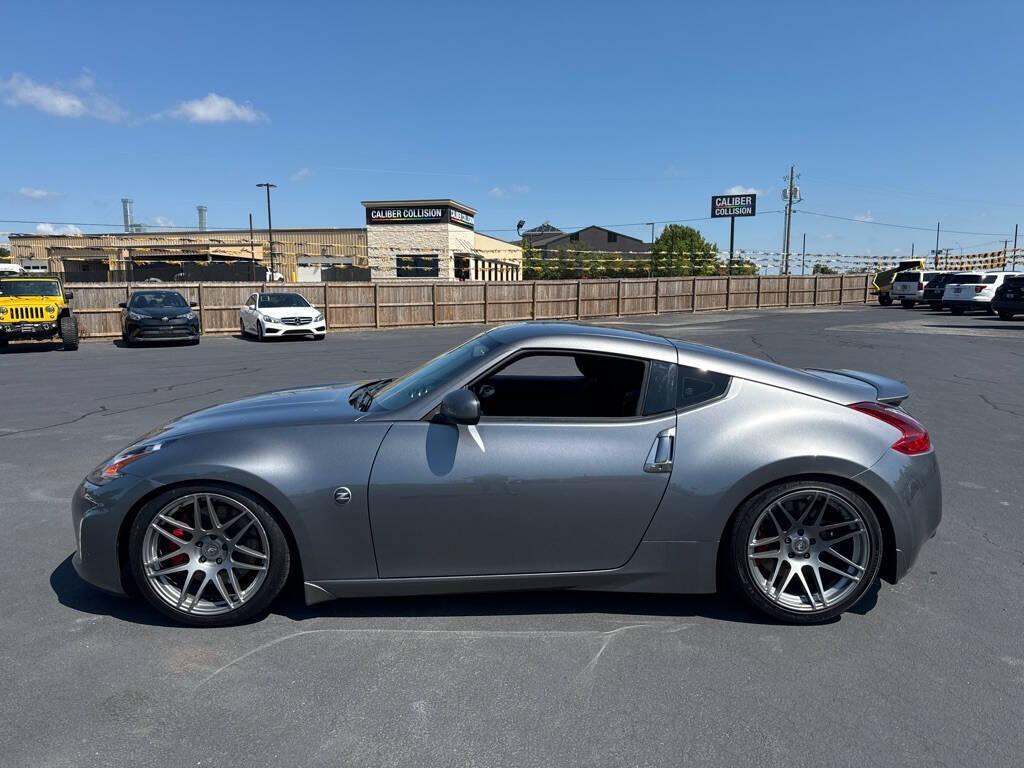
681	250
824	269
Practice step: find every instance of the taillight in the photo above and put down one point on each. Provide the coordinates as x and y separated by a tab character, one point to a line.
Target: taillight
920	286
914	438
980	288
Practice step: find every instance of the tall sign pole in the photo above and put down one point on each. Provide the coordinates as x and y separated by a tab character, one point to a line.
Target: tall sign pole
938	226
731	206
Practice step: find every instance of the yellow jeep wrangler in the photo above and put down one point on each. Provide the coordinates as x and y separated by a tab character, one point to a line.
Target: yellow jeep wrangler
36	308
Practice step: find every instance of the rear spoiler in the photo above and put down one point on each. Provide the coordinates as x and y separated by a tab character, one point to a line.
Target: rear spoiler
890	391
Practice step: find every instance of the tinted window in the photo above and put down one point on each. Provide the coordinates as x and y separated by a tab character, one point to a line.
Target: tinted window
563	385
661	388
29	288
908	277
281	300
696	386
928	276
990	279
157	300
965	279
1014	282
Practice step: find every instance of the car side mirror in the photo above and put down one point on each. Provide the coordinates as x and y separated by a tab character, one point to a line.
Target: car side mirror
69	295
193	303
123	305
460	407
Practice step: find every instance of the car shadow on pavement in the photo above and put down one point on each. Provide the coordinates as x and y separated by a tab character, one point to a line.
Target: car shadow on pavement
75	593
23	348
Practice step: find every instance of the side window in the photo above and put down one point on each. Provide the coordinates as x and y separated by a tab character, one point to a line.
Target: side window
251	302
696	386
661	388
559	385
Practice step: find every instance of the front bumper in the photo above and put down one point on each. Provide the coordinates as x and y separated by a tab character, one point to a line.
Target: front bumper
45	330
1008	305
318	328
909	488
97	513
155	329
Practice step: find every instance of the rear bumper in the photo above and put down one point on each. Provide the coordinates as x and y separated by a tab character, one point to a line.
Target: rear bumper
966	303
909	488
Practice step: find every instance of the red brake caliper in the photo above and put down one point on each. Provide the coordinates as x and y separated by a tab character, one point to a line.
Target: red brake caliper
178	533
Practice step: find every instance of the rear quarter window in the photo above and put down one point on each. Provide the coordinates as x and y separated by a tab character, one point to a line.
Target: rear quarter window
679	387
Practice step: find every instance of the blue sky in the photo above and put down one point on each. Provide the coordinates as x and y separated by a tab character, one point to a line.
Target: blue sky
577	113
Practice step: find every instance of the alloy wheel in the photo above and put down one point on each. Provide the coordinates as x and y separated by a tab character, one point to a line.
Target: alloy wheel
808	550
205	554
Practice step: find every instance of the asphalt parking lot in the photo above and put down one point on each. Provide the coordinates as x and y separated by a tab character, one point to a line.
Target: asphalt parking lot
927	672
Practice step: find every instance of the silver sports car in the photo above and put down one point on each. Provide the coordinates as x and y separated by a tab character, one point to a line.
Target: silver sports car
534	456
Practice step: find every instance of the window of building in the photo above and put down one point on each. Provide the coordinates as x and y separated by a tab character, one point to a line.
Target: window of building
426	265
462	265
613	237
563	385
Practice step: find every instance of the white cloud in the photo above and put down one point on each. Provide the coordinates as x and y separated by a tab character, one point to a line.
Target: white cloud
21	91
739	189
214	108
34	193
47	228
163	221
865	217
511	189
302	174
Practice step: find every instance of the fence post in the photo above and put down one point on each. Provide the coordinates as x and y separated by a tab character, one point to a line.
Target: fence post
202	310
327	308
433	302
788	279
842	286
533	300
814	298
728	291
867	288
487	303
657	296
758	301
618	298
693	293
579	299
376	307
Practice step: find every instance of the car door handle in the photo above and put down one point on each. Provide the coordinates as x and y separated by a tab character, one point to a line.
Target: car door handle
659	459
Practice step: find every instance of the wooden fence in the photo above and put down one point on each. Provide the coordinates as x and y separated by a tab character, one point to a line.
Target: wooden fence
398	304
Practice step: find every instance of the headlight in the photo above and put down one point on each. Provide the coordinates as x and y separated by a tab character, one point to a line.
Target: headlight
3	311
190	315
318	319
135	316
112	469
268	319
51	309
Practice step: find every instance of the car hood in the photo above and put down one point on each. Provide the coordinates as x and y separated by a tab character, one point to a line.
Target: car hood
161	311
282	408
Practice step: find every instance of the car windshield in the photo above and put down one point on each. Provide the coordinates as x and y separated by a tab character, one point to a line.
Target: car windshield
965	279
433	374
282	300
158	300
29	288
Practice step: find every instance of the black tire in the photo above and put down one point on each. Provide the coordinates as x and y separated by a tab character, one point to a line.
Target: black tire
194	342
255	606
1004	315
241	328
957	310
884	299
741	531
936	306
69	333
259	331
989	310
908	303
4	342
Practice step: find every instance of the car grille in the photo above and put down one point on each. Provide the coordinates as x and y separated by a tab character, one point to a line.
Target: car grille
296	320
26	313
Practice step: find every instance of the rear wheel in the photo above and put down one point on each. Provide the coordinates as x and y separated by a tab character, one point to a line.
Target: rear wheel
957	310
69	332
884	299
1004	315
936	305
207	556
908	303
805	551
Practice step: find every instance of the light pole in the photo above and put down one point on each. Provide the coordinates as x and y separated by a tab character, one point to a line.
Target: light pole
654	267
270	227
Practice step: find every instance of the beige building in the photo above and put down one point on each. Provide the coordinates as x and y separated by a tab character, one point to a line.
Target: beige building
432	239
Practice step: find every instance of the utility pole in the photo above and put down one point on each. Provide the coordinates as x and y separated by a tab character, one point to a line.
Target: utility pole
791	194
938	226
270	228
654	267
1015	246
252	252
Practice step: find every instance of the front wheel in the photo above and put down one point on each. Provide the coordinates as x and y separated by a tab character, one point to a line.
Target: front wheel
259	331
957	310
908	303
207	556
806	551
1004	315
69	333
884	299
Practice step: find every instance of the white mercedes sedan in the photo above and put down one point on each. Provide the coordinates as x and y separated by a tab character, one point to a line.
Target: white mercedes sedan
274	315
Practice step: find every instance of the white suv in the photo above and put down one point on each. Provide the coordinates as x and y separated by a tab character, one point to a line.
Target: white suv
908	287
972	290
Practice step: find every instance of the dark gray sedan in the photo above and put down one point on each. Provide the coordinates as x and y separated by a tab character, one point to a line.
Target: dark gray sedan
534	456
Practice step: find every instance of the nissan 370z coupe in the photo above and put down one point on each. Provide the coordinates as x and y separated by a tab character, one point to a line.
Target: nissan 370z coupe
534	456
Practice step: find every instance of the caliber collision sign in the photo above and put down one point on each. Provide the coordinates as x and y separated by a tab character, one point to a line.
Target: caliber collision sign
724	206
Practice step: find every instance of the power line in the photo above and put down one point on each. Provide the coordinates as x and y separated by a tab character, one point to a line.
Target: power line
899	226
567	229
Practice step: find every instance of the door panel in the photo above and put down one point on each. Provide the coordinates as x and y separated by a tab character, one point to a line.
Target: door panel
512	497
